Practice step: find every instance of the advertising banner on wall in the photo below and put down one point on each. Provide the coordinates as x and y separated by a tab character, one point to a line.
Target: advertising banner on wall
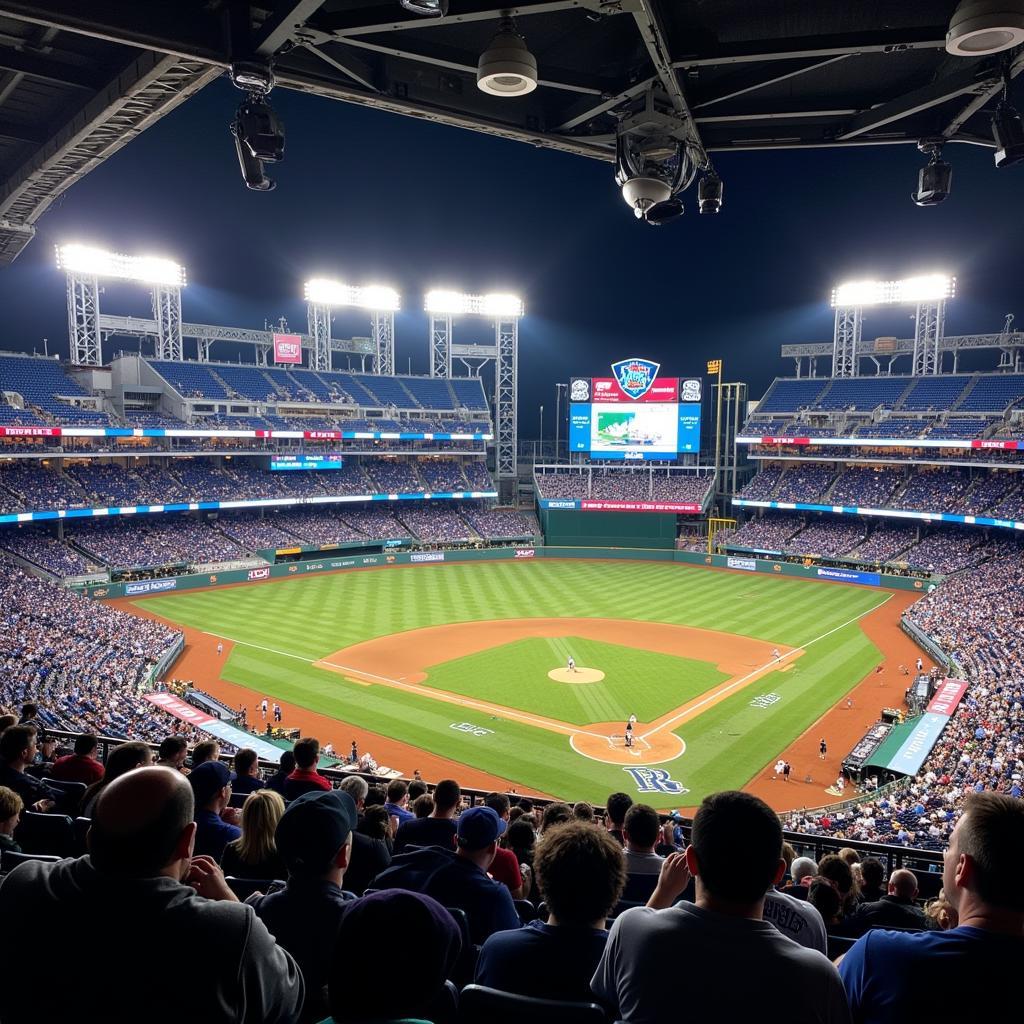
287	348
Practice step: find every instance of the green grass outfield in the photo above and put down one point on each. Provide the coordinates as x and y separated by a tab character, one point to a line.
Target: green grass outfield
280	628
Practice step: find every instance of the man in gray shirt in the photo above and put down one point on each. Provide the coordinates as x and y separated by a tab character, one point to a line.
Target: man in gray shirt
174	942
733	958
798	919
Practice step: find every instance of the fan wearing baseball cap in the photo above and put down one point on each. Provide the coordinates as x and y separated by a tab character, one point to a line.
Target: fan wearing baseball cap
458	877
314	838
211	784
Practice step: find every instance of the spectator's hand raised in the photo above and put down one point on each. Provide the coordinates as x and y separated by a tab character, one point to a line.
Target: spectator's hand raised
43	806
673	879
206	877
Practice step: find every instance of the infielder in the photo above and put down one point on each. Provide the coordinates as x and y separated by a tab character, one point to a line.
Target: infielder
775	654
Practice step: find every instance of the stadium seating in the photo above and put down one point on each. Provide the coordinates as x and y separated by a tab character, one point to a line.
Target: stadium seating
993	393
863	393
791	395
934	393
42	383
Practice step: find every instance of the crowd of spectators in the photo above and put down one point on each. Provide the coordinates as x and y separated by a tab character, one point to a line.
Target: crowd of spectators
885	543
762	484
947	550
436	524
829	537
563	484
154	541
43	549
81	661
865	486
442	474
804	482
766	532
609	484
497	523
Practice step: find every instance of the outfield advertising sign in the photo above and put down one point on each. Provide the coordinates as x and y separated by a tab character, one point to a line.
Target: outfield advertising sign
150	586
749	564
427	556
871	579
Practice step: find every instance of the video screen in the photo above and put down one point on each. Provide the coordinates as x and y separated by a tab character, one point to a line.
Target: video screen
635	430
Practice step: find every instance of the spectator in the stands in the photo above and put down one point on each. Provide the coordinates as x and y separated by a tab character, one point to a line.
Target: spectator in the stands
173	753
314	838
208	750
834	870
397	804
896	909
795	917
582	811
17	749
30	716
211	783
823	897
254	853
124	758
872	879
370	855
423	806
555	814
417	933
45	754
580	873
305	778
416	789
81	766
140	871
247	772
969	972
802	871
941	914
505	867
11	806
277	781
458	877
746	968
6	721
615	815
642	829
439	828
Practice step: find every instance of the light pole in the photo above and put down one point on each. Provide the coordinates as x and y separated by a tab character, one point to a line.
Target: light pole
542	432
558	418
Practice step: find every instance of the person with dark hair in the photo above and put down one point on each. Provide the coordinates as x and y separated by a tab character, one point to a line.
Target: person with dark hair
872	876
582	811
458	878
397	804
825	900
580	872
17	749
173	753
124	758
211	783
615	815
720	941
305	778
505	867
140	872
840	876
641	830
207	750
555	814
416	789
6	721
314	838
81	766
520	839
30	716
439	828
247	772
277	781
423	806
968	972
417	933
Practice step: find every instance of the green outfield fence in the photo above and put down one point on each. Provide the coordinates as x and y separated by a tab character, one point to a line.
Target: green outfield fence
194	581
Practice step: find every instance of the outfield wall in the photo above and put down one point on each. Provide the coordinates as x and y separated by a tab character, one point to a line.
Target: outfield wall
575	528
194	581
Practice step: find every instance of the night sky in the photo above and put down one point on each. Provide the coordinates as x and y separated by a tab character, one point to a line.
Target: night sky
370	196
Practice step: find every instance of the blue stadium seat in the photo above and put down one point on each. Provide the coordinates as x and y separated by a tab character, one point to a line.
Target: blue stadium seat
469	392
9	859
52	834
42	382
938	393
993	392
791	395
863	392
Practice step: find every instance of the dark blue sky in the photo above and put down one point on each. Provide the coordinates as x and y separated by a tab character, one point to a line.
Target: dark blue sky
368	196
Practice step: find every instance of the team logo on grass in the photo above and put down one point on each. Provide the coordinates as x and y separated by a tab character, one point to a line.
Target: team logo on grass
473	730
655	780
765	700
635	376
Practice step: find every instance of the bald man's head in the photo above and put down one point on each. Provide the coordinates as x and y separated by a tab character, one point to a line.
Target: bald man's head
903	883
139	823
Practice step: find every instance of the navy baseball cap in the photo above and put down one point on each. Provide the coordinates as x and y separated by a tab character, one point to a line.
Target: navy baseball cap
314	828
208	779
479	827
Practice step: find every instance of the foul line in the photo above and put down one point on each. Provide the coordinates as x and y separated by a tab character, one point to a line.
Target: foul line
716	695
499	711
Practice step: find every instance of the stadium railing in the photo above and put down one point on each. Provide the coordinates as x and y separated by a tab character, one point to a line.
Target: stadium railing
806	845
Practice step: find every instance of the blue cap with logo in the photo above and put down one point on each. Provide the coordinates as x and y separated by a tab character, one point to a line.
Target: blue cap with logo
479	827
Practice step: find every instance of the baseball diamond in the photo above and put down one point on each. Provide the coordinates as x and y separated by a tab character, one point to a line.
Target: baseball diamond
401	655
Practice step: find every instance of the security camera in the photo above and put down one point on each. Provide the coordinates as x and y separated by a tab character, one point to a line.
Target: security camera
641	193
252	168
662	213
260	129
709	193
935	179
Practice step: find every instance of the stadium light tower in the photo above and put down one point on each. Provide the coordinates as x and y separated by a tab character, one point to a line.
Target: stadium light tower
505	310
927	292
84	265
323	294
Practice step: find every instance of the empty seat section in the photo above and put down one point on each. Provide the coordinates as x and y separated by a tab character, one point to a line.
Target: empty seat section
993	393
430	392
863	392
791	395
41	382
193	380
248	381
936	393
469	392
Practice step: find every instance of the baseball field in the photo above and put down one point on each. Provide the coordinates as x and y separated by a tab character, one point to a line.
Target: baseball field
467	664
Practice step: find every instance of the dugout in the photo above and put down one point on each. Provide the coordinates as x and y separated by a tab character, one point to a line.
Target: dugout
576	528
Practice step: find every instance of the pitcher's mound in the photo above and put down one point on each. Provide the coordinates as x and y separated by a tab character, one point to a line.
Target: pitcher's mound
580	675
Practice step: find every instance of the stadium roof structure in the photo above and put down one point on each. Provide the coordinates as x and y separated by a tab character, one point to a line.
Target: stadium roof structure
78	81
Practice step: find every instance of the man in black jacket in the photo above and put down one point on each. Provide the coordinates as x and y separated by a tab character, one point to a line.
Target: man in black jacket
168	905
897	909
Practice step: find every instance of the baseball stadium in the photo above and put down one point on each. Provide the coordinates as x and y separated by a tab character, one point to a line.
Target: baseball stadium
298	590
